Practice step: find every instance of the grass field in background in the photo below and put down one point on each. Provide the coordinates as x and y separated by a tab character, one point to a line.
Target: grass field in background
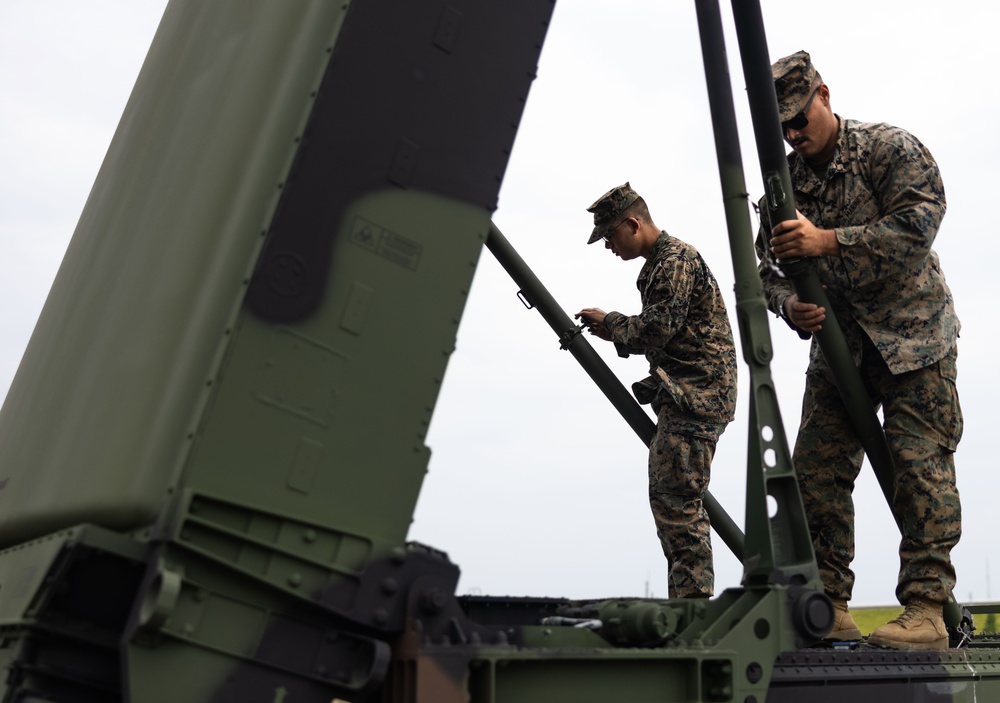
870	618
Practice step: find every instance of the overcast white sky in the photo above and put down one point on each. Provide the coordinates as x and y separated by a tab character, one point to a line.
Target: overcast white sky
536	487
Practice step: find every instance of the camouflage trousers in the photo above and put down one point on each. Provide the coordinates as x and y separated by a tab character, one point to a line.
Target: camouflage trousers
922	419
680	462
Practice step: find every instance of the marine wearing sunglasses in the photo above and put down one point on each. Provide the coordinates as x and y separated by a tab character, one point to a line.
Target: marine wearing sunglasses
799	121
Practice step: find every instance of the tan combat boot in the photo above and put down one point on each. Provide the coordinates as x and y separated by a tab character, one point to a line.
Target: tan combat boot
920	626
844	627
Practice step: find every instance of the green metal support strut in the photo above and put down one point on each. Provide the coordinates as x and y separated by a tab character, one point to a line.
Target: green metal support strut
778	545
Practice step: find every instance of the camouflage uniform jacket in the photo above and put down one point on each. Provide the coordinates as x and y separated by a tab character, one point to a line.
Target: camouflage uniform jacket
882	194
684	330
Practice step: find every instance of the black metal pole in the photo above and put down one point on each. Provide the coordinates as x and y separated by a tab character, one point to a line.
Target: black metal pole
570	338
779	547
780	200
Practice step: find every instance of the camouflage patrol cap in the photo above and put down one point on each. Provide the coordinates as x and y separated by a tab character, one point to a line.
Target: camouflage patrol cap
794	77
608	208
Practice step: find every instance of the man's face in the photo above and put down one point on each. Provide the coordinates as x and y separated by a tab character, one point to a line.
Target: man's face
620	241
812	131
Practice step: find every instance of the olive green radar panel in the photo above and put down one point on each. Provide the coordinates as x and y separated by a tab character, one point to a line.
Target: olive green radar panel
303	149
238	359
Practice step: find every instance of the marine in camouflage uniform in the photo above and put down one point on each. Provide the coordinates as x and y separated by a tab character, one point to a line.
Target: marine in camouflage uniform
870	201
684	332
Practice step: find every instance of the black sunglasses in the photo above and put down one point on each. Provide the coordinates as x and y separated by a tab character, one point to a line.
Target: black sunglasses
799	120
611	232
